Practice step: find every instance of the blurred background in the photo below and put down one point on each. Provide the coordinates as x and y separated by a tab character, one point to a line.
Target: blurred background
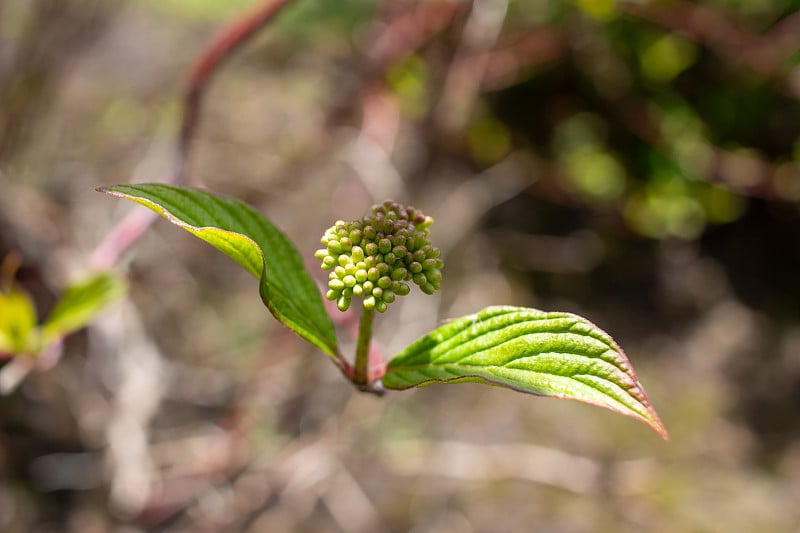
634	162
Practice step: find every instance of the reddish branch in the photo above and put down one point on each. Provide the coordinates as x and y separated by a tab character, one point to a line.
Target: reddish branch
412	29
230	38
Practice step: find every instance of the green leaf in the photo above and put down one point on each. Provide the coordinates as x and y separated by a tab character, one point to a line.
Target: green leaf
80	303
255	243
549	354
17	323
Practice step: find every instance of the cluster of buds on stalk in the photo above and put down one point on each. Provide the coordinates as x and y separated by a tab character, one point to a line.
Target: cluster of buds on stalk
375	257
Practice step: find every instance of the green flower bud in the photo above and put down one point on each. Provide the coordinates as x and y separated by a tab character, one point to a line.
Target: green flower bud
431	252
334	247
374	257
402	289
399	274
434	276
373	274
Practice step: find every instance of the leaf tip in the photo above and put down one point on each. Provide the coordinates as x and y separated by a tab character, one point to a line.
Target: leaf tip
654	422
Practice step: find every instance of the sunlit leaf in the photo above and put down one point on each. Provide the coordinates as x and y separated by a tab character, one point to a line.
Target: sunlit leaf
17	322
550	354
255	243
81	302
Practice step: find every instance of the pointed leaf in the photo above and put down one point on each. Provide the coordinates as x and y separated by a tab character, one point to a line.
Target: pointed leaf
80	303
550	354
251	240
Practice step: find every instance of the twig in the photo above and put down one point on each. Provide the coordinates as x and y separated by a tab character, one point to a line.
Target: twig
230	38
411	30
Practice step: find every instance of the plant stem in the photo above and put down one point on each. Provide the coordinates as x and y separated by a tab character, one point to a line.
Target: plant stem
231	37
362	349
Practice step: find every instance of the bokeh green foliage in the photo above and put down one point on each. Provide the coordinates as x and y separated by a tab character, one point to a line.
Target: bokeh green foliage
79	304
655	125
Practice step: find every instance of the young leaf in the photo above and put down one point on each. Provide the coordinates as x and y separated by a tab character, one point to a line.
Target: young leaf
550	354
17	323
80	303
255	243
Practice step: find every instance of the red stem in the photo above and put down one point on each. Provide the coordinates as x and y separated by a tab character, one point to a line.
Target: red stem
231	37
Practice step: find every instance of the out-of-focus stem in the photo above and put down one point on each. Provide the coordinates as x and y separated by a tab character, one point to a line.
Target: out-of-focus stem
231	37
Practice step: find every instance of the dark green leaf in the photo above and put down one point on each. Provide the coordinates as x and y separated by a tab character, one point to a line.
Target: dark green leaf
550	354
255	243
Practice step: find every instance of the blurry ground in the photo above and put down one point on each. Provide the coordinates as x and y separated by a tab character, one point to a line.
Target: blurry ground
598	162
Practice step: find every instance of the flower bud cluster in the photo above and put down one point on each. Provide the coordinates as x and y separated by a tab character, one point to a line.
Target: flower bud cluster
375	257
